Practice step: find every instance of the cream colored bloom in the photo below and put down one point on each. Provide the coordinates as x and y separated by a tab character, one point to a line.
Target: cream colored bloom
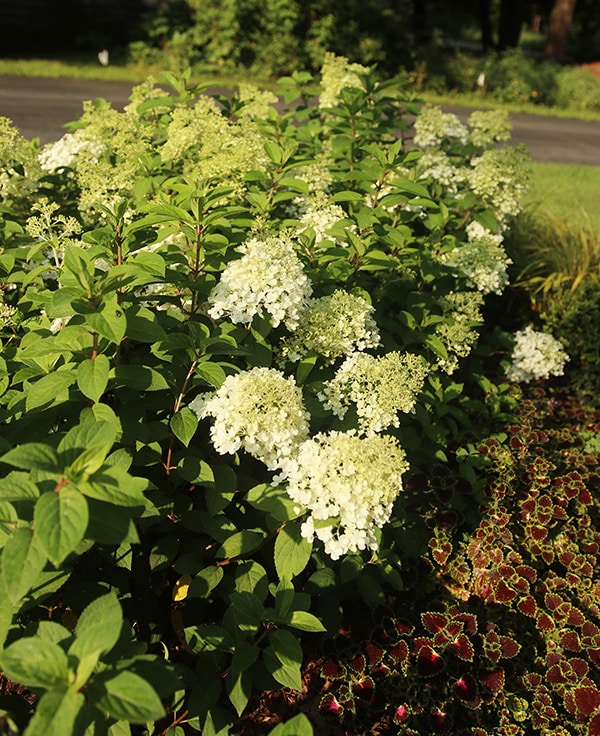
268	279
259	411
482	259
348	484
433	127
332	326
536	355
336	74
379	387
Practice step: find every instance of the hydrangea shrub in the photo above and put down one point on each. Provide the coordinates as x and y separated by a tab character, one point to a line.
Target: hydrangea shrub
231	335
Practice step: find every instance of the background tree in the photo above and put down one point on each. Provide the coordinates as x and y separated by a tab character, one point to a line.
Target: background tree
559	26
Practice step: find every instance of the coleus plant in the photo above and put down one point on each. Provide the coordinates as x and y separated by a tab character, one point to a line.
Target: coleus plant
513	643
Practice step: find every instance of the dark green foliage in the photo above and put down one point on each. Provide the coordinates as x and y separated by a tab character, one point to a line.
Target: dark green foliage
272	37
574	318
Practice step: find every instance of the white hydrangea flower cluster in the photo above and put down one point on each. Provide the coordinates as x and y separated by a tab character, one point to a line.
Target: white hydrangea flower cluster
437	165
336	74
64	152
260	411
499	178
433	127
379	387
268	279
462	311
257	102
331	326
19	165
317	175
482	259
210	145
536	355
348	484
318	213
488	127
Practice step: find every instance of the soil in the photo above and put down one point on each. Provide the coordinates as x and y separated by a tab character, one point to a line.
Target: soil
594	67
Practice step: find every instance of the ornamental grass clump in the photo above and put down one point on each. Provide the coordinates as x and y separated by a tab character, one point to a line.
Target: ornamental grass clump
243	366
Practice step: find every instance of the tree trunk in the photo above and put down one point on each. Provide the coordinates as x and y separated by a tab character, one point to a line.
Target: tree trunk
419	22
511	21
485	24
559	25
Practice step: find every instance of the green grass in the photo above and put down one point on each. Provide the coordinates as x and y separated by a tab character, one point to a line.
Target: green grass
569	192
478	101
90	68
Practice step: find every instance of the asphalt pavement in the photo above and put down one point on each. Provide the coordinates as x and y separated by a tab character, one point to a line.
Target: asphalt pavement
40	107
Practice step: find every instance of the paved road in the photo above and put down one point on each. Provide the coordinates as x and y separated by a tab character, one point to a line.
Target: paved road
40	107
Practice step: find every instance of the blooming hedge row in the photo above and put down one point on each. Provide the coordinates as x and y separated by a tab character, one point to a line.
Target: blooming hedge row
231	336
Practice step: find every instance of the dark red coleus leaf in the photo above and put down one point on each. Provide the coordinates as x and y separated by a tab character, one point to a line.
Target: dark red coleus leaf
329	704
575	618
403	628
506	571
566	558
440	551
585	497
400	651
465	688
587	700
454	629
493	680
440	718
545	622
594	726
569	640
555	675
503	594
468	619
434	622
580	666
401	715
374	653
358	664
429	662
521	584
569	701
510	647
527	572
364	687
538	533
553	601
590	629
532	680
332	670
594	655
462	647
527	606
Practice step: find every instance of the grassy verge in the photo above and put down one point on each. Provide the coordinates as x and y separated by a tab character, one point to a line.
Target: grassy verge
568	192
91	69
487	103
